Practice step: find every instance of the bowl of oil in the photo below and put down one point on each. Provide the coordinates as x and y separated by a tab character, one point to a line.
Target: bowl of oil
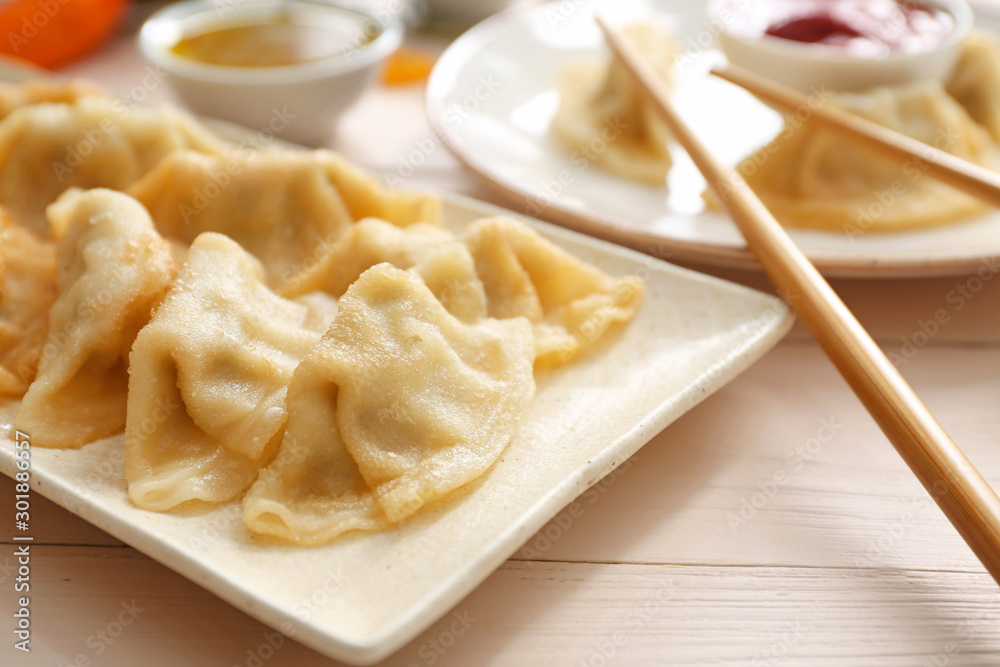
286	68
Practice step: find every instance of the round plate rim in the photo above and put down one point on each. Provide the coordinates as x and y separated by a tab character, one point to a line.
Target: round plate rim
611	228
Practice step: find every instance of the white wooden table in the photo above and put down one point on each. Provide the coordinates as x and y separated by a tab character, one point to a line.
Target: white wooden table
772	525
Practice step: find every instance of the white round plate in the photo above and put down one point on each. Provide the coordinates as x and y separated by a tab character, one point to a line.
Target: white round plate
493	94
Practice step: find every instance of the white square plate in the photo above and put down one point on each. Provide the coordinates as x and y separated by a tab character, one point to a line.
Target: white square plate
364	596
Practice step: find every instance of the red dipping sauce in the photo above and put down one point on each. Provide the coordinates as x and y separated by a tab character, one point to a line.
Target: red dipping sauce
859	27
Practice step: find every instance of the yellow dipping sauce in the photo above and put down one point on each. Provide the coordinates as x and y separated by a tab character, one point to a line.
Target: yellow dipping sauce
288	36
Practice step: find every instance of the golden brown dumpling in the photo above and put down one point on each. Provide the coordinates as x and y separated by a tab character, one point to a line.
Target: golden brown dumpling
114	269
498	268
17	95
975	81
365	244
96	142
450	274
398	404
27	290
570	303
367	198
604	118
810	177
215	361
283	207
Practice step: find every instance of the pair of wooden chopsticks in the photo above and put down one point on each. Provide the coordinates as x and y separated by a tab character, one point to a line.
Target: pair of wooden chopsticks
949	477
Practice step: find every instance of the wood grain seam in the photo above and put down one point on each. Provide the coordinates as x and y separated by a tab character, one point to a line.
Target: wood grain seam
755	566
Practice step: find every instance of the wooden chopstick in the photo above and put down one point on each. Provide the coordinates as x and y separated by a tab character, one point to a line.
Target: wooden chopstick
951	480
961	174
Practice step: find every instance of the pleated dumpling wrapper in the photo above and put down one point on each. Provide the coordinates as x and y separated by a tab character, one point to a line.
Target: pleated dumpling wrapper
498	267
365	244
284	207
113	271
399	404
95	142
214	363
27	291
604	119
16	95
809	177
975	81
449	272
570	303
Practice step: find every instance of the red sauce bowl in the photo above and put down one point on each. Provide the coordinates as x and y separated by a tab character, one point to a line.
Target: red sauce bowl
831	47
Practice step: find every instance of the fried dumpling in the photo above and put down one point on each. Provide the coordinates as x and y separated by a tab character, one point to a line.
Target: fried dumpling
367	198
215	361
284	207
113	270
398	404
809	177
94	143
975	81
365	244
604	119
27	291
571	304
17	95
449	272
497	268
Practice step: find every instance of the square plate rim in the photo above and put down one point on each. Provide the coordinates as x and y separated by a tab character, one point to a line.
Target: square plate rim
444	597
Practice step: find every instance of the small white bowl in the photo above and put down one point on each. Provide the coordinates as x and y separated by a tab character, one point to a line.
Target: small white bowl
296	102
803	66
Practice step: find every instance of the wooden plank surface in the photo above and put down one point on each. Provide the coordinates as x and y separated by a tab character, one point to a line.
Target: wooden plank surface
139	613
